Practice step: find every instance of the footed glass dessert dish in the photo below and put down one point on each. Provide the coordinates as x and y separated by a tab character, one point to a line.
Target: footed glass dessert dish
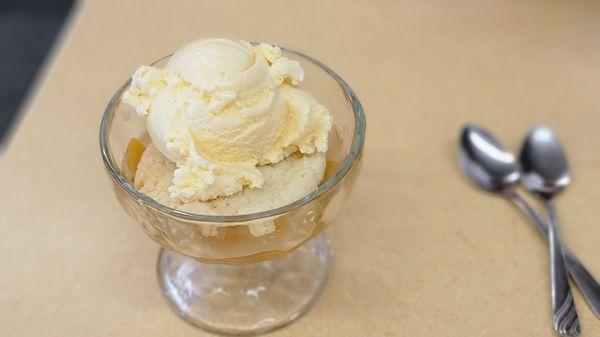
213	271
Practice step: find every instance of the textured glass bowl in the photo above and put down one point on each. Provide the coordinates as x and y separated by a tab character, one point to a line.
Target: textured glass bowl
232	281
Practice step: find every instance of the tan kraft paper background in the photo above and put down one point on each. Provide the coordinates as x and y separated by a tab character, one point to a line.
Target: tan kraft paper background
418	251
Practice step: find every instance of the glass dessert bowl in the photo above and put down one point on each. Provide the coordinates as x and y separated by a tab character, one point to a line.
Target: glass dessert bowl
214	270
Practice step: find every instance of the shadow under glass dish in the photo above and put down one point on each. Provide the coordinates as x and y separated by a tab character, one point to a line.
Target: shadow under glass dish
235	282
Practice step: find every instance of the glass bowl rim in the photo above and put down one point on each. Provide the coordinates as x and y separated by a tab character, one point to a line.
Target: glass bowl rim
349	161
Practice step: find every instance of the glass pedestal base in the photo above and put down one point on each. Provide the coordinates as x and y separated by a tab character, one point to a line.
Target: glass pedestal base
245	299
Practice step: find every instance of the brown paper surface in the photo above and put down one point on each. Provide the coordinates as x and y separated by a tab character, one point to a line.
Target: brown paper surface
418	251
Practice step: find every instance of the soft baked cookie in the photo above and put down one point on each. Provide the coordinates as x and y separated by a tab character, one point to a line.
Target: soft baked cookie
285	182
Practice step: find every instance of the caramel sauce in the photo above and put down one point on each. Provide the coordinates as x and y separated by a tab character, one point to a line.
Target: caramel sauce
132	157
227	246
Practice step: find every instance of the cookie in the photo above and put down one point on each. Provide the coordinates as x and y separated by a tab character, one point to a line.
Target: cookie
285	182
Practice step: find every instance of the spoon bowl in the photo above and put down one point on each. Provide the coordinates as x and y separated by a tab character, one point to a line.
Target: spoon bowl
486	161
544	164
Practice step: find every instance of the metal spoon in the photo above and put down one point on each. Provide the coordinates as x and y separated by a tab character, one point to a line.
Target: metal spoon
546	173
489	165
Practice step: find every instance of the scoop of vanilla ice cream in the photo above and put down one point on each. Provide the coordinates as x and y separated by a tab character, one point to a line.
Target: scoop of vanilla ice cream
220	108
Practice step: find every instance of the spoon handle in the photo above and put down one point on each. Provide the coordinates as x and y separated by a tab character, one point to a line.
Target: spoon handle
564	312
585	281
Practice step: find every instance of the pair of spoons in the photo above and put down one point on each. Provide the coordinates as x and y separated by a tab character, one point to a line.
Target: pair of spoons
542	169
